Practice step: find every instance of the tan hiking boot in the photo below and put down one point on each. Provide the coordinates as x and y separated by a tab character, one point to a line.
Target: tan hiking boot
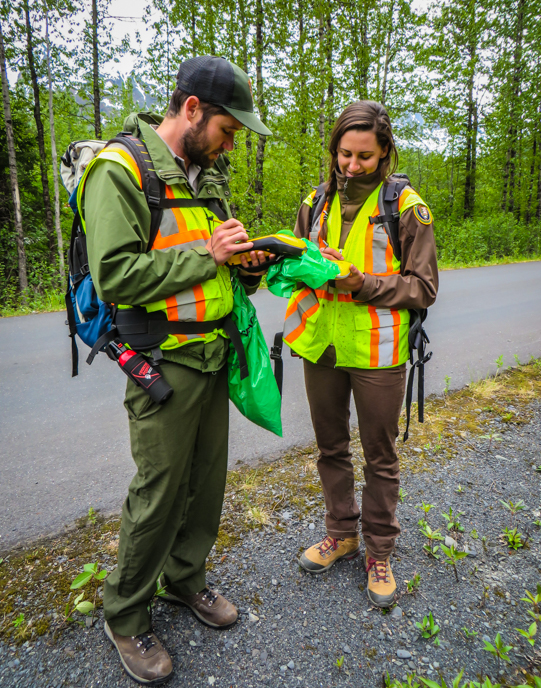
321	556
208	605
143	656
381	583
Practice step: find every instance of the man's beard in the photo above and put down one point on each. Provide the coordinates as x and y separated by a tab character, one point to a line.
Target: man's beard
194	144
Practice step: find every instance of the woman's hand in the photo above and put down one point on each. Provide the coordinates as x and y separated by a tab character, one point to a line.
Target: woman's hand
256	258
331	253
352	283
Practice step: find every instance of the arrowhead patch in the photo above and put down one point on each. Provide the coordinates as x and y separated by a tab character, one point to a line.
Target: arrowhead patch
423	214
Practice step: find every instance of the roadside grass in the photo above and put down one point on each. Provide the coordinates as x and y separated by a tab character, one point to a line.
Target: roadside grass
35	581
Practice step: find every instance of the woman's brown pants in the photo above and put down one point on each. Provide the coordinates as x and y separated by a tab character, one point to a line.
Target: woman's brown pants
378	395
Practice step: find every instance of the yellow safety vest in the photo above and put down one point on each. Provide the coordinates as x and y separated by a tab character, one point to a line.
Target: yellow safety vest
364	336
181	229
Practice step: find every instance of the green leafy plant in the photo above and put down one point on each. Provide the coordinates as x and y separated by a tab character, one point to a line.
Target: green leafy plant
491	437
79	604
402	495
453	522
538	468
91	516
468	633
459	489
535	601
455	684
537	523
474	534
513	507
536	683
432	551
517	360
447	383
499	649
19	621
453	557
499	364
425	508
412	585
410	682
513	538
428	627
487	683
529	634
422	523
91	572
339	662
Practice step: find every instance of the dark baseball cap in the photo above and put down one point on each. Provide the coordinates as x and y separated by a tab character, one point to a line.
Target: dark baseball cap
215	80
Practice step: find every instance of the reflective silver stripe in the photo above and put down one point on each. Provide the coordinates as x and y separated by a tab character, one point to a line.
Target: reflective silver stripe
168	224
379	247
295	318
386	337
314	236
186	305
187	245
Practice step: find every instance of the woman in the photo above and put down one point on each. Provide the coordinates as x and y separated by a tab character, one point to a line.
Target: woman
353	336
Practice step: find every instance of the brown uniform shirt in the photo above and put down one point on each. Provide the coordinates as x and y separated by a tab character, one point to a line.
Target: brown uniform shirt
417	284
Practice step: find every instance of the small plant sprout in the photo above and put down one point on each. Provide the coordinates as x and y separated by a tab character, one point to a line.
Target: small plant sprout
428	627
513	538
455	684
402	495
413	585
468	633
453	557
529	634
91	516
538	468
422	523
339	662
19	621
447	383
474	534
499	649
487	683
78	605
537	523
491	437
535	601
160	590
91	572
513	507
517	360
453	522
410	682
425	508
430	534
499	364
459	489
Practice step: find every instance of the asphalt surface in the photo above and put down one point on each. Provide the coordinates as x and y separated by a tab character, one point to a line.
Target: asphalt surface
64	442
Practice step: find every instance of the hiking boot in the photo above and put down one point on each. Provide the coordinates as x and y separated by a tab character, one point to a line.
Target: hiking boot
381	584
324	554
208	605
143	656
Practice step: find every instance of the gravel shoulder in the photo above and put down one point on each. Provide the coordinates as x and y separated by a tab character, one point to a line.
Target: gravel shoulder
478	446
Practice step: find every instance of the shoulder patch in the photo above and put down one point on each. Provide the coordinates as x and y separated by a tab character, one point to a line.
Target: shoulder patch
423	214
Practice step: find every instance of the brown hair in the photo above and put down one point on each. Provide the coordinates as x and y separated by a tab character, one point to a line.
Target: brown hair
363	115
178	99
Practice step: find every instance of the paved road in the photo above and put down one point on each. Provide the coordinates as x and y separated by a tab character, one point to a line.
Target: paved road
64	441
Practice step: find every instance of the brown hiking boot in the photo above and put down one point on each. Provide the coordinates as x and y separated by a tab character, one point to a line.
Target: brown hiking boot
321	556
208	605
381	584
142	656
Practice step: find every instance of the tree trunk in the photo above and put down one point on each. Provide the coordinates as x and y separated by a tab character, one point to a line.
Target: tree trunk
260	152
303	105
469	182
95	70
330	77
365	55
532	172
245	66
321	122
41	138
58	227
387	54
517	59
23	280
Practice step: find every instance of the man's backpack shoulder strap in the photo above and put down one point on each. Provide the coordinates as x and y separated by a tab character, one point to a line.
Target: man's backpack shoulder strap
151	184
318	201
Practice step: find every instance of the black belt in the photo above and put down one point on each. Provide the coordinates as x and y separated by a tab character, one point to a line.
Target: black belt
146	325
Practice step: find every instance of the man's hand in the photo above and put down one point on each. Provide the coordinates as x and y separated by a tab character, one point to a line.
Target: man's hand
222	244
352	283
331	253
256	258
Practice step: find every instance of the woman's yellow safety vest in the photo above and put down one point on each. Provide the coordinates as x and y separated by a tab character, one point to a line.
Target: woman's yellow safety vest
363	336
182	229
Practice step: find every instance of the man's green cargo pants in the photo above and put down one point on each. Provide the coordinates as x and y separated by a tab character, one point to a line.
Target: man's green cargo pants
171	516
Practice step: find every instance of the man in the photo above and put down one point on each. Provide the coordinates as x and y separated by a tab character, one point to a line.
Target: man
171	516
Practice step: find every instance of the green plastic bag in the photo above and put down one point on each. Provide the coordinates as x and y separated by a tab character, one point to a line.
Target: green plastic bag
311	268
257	396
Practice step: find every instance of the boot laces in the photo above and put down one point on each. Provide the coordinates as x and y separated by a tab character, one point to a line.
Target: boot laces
379	570
145	641
210	596
328	545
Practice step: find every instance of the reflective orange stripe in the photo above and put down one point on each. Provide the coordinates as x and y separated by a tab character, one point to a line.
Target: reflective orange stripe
182	237
346	297
293	306
374	337
200	303
396	334
300	329
179	217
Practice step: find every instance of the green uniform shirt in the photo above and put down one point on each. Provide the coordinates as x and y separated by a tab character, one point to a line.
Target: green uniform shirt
118	231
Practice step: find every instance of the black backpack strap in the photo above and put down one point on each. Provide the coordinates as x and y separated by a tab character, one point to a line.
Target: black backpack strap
152	185
318	201
276	356
389	217
417	338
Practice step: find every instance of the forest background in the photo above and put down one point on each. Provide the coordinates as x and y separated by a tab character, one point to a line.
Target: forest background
461	81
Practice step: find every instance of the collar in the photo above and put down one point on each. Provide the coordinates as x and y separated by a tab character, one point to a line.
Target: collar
357	189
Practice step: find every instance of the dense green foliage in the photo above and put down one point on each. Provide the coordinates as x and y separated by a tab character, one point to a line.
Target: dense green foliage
460	79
